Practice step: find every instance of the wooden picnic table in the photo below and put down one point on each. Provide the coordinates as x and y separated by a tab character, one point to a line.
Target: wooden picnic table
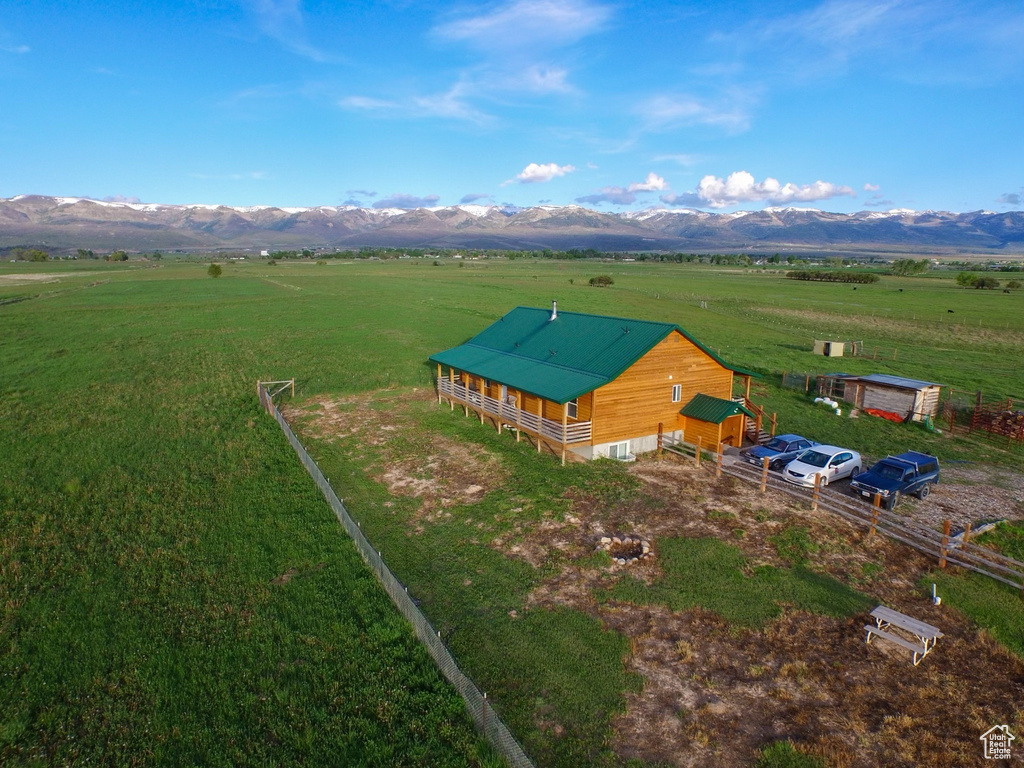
886	618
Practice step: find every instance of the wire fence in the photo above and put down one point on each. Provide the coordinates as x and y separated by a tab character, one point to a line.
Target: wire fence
948	549
486	719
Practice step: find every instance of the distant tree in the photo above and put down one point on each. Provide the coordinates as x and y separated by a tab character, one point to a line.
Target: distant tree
117	256
986	282
602	281
157	256
905	267
1015	284
271	263
966	279
214	270
437	263
83	254
36	255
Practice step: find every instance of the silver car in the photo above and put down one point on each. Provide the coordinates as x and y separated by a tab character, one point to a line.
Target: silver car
829	462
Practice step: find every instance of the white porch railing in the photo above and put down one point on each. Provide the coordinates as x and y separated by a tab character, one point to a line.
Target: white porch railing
572	432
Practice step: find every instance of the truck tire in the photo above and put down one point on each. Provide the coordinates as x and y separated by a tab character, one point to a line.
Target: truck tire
890	503
923	493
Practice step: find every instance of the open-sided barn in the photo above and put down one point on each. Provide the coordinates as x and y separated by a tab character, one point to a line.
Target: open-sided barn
911	399
594	385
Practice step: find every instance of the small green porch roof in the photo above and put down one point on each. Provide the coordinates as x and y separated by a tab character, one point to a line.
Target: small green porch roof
714	410
562	358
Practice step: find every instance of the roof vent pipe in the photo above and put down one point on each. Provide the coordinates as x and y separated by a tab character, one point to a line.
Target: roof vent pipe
554	311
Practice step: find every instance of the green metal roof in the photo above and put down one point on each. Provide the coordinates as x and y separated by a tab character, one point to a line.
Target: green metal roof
712	409
563	358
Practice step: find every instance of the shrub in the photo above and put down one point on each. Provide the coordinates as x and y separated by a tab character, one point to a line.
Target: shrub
1015	284
214	270
602	281
321	262
272	263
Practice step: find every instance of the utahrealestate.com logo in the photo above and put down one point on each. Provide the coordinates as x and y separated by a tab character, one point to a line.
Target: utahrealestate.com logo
997	742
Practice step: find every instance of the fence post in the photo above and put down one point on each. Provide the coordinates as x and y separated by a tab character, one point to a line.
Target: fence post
967	534
876	508
945	543
697	453
764	473
718	464
661	437
815	493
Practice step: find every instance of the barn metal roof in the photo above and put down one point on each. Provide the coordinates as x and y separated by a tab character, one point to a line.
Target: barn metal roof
713	409
563	358
896	381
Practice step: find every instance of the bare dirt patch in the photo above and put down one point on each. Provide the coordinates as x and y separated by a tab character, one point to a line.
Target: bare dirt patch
438	471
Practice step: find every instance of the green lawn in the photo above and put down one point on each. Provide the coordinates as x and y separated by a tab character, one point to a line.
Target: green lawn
150	508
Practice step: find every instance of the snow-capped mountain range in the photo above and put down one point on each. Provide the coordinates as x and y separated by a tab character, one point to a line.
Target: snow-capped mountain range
74	222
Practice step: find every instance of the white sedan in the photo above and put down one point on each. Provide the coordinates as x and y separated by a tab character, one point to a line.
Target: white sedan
828	462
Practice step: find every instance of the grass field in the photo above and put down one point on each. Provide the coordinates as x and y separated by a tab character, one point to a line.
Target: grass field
175	591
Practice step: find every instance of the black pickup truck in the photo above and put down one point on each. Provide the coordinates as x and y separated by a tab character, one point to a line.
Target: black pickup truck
895	476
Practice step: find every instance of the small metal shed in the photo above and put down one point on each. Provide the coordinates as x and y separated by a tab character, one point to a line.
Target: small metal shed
911	398
829	348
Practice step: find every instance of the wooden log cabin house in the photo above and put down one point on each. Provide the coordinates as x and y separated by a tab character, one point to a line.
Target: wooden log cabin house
597	386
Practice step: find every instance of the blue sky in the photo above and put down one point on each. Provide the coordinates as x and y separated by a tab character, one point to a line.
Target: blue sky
841	105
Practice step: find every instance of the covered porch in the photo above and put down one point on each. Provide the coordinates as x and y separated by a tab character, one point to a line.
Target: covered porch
559	425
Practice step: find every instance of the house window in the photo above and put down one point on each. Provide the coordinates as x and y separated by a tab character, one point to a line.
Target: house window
618	450
574	408
677	393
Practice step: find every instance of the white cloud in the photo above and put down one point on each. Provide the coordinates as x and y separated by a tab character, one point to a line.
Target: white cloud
872	187
730	111
282	20
15	48
366	102
625	195
528	25
535	173
450	104
653	183
740	187
680	159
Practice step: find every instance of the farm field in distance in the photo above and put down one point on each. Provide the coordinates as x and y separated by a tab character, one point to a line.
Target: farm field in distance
175	590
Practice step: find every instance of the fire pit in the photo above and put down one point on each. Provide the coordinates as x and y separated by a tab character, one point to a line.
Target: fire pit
625	550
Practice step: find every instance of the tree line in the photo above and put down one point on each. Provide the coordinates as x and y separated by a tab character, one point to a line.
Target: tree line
832	277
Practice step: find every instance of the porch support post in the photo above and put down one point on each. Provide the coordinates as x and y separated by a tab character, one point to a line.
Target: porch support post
451	379
480	391
438	383
746	394
565	420
519	426
540	420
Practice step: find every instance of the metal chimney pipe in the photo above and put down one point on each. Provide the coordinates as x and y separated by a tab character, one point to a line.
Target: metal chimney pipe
554	310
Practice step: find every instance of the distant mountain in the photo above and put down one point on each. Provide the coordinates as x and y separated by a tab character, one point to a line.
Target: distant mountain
71	222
